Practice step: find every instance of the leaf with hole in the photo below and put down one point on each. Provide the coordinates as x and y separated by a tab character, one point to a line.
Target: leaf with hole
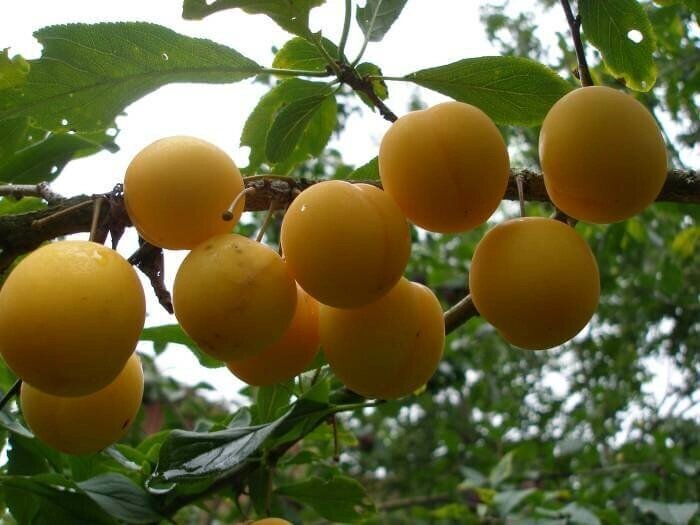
622	32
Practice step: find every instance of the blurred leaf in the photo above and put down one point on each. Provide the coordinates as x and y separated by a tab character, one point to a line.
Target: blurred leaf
377	17
502	470
510	90
671	513
613	26
290	15
10	423
121	498
163	335
339	499
10	206
13	135
299	53
687	242
579	515
13	71
509	500
88	74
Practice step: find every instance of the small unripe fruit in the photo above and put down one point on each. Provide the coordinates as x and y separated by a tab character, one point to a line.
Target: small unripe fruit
445	166
346	244
535	280
71	313
177	189
86	424
602	154
389	348
233	296
289	355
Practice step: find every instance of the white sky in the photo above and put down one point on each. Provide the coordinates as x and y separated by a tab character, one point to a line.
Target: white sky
428	33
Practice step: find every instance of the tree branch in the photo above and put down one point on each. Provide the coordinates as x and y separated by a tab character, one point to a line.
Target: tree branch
584	74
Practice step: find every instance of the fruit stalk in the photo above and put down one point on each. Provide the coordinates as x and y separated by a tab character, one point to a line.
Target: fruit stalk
584	74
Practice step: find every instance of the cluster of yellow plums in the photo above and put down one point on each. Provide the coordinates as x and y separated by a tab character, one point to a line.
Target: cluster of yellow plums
71	312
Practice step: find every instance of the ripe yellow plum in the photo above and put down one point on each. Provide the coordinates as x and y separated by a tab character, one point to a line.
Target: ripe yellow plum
272	521
389	348
602	154
176	190
535	280
234	296
446	166
70	316
85	424
289	355
346	244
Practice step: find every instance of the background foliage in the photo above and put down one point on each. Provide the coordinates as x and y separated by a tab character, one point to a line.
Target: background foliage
576	435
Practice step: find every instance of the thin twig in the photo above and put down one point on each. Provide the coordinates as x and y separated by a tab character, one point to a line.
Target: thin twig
228	214
459	314
95	218
346	29
39	223
266	221
521	196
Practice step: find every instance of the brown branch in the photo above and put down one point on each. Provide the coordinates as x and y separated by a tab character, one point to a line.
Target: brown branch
584	74
348	75
459	314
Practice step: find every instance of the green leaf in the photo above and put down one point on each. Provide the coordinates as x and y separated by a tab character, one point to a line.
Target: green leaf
299	53
686	242
44	160
121	498
579	515
339	499
378	16
10	206
163	335
11	424
50	499
502	470
379	86
368	171
611	25
290	15
509	500
192	456
511	90
272	400
293	121
257	126
88	74
13	135
671	513
13	71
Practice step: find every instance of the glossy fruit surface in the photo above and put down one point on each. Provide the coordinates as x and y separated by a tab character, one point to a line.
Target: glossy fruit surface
535	280
602	154
388	348
289	355
233	296
176	190
71	313
346	244
86	424
445	166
